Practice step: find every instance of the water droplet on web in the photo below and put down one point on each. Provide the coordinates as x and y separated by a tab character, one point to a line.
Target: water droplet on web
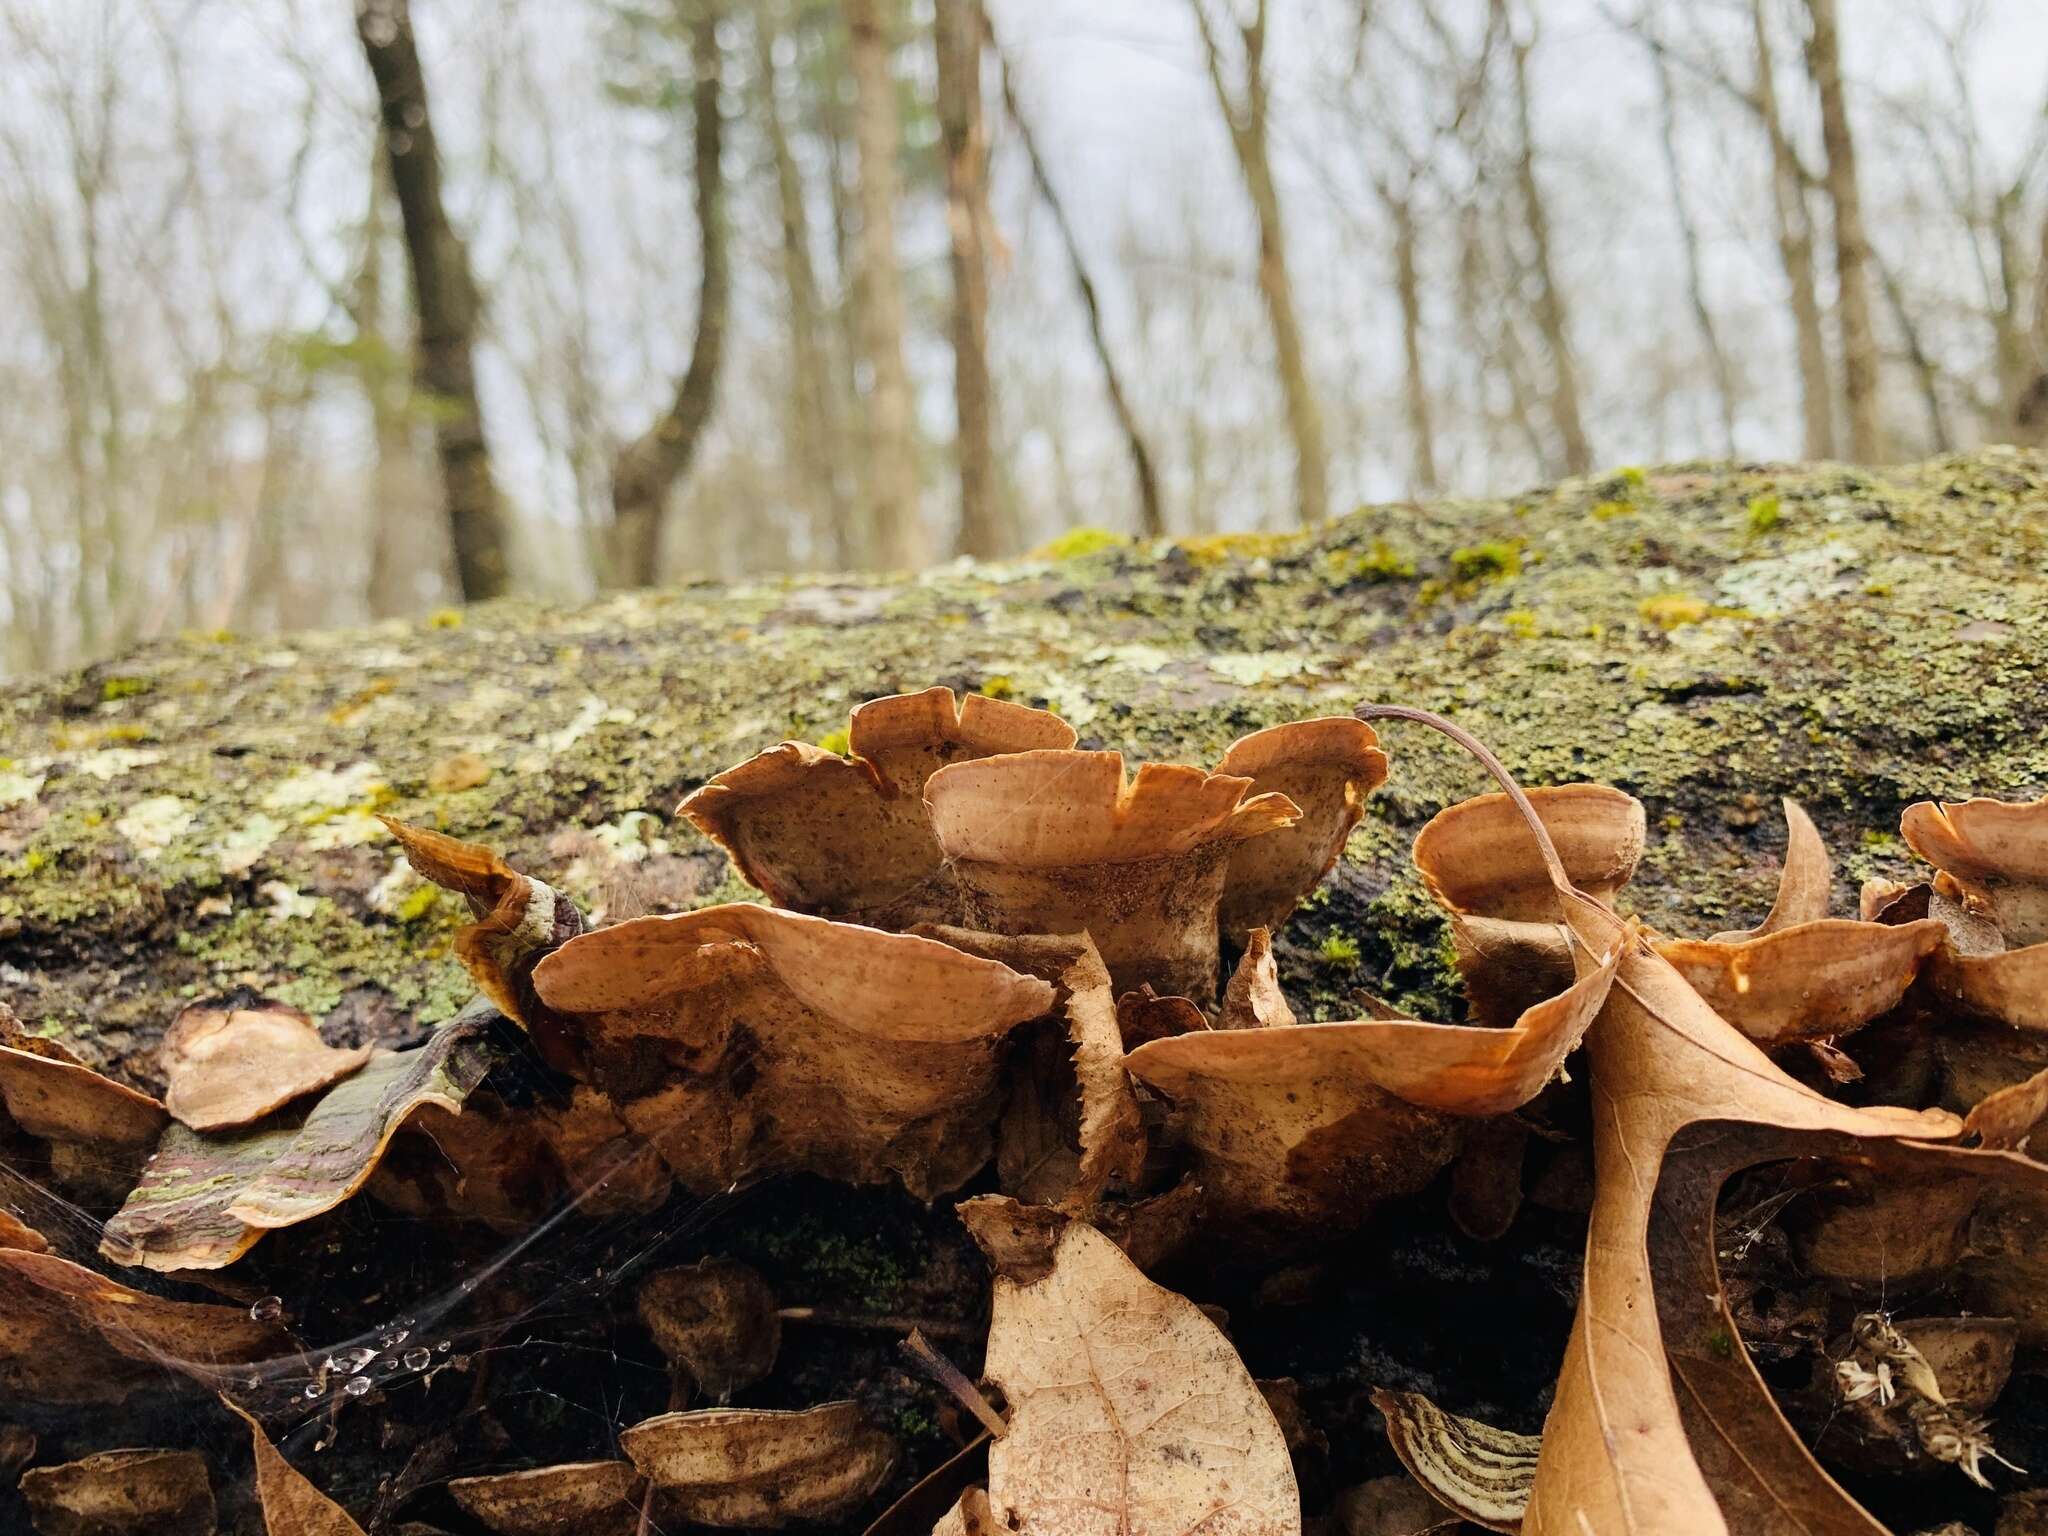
351	1361
418	1359
312	1389
356	1386
266	1309
443	1346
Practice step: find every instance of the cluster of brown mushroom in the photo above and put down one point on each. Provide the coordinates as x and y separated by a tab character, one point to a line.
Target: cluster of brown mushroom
987	947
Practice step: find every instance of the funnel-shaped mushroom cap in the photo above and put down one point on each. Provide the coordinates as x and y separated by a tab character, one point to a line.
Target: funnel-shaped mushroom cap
1991	895
847	836
578	1498
1996	851
1064	842
1800	974
123	1493
229	1066
762	1467
1326	767
1297	1127
1480	861
743	1040
715	1321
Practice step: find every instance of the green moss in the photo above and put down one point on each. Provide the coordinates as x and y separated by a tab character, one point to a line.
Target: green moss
1380	561
1078	542
1521	623
418	904
1216	548
837	741
998	687
1607	511
1339	950
1764	511
1494	560
115	688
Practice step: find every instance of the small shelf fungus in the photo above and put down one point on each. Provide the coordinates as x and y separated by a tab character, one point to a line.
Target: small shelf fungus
1990	895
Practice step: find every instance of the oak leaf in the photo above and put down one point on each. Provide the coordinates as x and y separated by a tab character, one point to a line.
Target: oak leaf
291	1505
1129	1413
122	1493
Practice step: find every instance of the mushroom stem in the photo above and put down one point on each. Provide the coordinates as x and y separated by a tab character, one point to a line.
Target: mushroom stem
947	1375
891	1322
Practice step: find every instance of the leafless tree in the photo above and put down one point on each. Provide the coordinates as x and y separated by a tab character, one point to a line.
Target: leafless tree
957	34
444	298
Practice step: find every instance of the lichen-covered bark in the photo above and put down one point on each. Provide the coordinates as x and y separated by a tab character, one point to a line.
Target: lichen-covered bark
198	815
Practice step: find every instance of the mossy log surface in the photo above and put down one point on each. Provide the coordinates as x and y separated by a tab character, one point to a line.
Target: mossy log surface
196	816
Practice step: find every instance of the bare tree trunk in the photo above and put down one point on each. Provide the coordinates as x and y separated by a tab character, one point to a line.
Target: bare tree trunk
1566	417
1408	287
1852	246
649	466
444	298
814	404
1795	251
957	32
1925	370
894	517
1151	511
1689	238
1247	121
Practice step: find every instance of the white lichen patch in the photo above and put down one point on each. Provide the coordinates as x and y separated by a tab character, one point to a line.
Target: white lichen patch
345	829
1770	588
388	894
1140	658
239	849
633	837
286	902
590	714
325	789
1251	668
19	785
150	826
109	763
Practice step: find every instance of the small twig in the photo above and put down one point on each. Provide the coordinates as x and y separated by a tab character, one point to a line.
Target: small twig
947	1375
892	1322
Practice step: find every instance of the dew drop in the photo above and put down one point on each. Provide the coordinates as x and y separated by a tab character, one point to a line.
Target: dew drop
443	1346
267	1309
312	1389
356	1386
418	1359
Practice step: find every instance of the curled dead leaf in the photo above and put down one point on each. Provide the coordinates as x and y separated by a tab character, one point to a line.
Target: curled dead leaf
847	836
742	1040
518	920
762	1468
122	1493
1801	975
1129	1413
579	1498
230	1066
205	1199
54	1098
1066	842
71	1335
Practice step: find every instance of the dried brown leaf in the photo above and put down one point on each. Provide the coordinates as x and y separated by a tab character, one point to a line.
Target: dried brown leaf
1130	1414
1805	883
1065	842
1253	999
230	1066
743	1040
847	836
291	1505
122	1493
58	1100
71	1335
205	1199
762	1467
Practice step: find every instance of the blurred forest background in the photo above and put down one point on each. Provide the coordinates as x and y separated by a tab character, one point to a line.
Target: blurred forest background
319	310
